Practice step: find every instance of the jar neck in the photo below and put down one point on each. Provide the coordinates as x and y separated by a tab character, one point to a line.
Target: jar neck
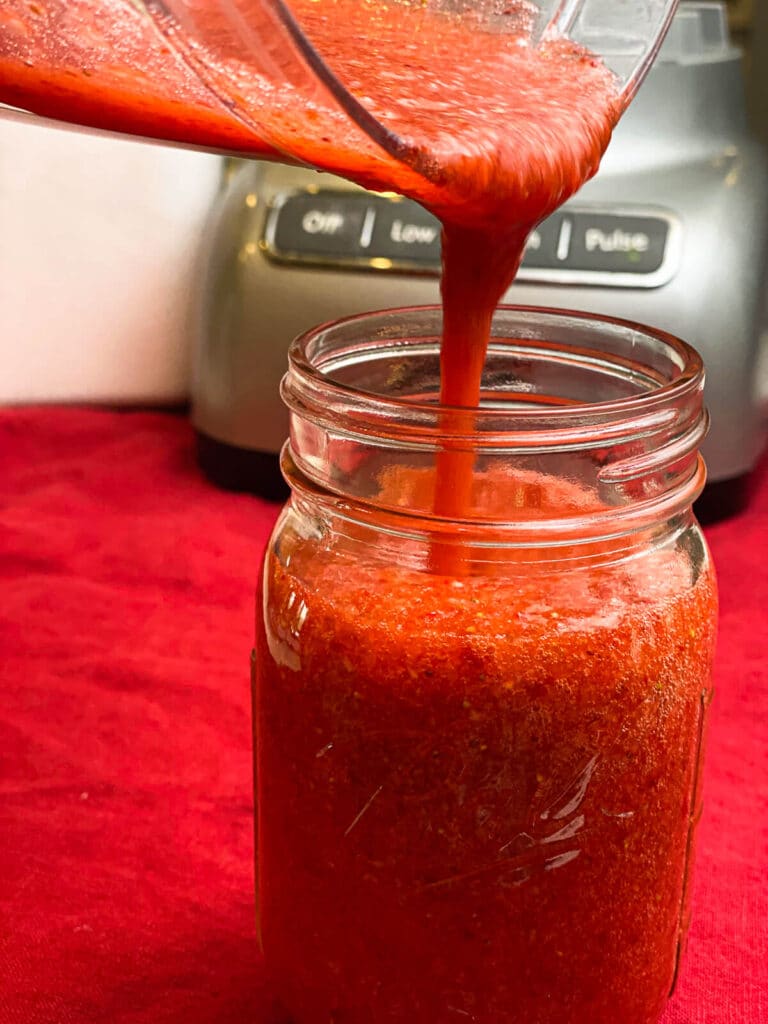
587	435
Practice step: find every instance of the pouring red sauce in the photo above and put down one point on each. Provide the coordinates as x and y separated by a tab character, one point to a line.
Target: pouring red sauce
452	769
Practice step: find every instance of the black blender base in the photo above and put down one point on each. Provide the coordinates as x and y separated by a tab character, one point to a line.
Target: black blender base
241	469
255	472
722	499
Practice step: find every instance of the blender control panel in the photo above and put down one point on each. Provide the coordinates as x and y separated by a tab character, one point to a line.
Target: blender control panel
616	247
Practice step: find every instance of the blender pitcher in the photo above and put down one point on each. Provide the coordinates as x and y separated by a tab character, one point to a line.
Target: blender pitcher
248	76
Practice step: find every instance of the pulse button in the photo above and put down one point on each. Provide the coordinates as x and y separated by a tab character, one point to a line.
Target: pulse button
617	244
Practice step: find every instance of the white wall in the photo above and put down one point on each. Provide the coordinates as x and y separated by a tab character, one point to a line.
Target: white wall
99	244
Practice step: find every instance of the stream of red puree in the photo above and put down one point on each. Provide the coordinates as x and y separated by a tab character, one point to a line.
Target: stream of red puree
476	795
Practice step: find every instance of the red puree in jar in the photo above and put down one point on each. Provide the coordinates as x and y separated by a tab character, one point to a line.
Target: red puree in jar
477	795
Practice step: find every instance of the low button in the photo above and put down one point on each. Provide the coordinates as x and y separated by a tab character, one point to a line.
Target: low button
618	244
405	232
321	224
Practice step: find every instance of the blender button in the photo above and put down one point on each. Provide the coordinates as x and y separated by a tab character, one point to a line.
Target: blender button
541	251
324	224
406	234
618	243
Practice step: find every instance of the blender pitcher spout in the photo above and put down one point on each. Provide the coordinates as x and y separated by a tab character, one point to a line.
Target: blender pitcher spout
242	76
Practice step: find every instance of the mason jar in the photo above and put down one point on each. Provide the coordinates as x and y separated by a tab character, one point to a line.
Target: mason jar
479	735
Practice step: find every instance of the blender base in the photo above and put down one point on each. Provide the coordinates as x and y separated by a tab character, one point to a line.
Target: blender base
241	469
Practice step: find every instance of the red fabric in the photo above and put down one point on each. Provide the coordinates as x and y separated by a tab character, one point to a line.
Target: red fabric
126	609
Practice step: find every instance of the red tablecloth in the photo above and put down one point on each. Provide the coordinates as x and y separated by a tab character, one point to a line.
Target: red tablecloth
126	608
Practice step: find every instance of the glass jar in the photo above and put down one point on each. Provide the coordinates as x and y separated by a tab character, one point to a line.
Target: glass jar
479	740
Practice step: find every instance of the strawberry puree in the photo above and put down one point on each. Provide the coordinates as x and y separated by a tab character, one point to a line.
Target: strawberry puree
477	796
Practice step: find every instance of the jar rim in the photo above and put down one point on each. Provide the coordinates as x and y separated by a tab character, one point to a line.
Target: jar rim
363	394
690	365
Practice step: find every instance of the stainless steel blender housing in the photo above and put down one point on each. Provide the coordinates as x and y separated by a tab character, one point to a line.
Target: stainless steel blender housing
673	232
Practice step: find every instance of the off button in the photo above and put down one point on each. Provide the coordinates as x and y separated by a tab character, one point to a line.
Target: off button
319	224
